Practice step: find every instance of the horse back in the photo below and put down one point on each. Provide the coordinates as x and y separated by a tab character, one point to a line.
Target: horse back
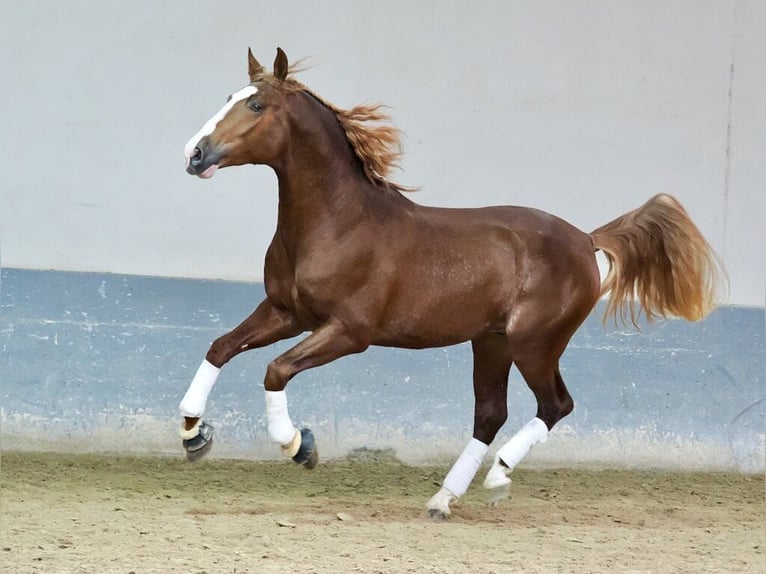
470	271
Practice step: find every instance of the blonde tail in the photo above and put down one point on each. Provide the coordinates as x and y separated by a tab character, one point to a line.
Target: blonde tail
659	260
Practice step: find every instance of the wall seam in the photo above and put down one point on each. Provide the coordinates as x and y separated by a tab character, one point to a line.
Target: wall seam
727	152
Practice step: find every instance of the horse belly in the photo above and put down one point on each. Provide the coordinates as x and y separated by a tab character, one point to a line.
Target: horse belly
446	311
459	294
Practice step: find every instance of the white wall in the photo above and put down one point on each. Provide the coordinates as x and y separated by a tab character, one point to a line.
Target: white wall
584	109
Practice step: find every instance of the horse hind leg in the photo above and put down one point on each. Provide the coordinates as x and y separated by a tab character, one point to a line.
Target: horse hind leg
539	332
553	403
491	365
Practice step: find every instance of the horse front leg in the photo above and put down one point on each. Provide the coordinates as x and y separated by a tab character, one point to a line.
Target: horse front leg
331	341
266	325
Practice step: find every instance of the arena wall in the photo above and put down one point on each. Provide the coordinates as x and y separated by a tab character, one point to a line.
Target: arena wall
98	363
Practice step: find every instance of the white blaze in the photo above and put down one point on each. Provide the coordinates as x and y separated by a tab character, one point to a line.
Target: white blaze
211	124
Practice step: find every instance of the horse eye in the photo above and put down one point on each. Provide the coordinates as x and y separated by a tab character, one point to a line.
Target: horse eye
228	99
255	106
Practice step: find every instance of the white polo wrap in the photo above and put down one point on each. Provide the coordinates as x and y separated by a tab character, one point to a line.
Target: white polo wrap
281	429
461	474
513	451
195	399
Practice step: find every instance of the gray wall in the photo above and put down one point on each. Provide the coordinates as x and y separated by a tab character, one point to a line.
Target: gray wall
102	365
581	108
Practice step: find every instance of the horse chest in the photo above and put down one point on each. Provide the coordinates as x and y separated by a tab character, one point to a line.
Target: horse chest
305	281
297	297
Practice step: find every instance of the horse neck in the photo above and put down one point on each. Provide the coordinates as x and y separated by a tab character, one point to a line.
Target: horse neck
321	181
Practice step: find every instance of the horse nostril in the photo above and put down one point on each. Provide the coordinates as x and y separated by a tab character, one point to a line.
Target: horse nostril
196	157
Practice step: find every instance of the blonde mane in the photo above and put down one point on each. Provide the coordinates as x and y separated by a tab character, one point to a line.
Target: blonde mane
368	129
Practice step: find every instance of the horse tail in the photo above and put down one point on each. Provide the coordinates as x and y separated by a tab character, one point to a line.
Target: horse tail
659	260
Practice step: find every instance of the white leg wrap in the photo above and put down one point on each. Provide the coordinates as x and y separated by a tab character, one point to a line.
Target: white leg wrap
193	403
514	450
461	474
459	477
281	429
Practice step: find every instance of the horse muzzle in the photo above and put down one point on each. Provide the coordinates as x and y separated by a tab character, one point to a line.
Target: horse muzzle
202	161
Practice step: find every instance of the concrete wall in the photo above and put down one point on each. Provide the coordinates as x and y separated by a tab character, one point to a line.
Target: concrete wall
96	362
530	103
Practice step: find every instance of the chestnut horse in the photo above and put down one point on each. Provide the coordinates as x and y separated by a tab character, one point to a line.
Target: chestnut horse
356	263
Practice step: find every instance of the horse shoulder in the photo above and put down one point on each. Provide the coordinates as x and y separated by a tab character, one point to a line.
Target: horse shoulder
278	276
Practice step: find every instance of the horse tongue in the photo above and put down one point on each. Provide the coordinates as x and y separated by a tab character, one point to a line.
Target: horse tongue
208	173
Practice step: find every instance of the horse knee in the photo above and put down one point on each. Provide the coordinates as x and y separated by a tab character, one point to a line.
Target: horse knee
220	352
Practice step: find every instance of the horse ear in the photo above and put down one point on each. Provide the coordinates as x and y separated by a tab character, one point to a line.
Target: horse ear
280	65
254	69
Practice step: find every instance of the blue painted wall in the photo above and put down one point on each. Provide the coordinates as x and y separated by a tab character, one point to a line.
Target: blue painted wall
99	362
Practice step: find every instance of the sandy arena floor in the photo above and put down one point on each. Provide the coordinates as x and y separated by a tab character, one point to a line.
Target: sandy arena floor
71	513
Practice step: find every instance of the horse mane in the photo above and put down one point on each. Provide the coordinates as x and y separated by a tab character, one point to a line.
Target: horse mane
368	129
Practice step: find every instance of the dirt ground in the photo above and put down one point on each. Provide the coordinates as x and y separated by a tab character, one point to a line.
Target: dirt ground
75	513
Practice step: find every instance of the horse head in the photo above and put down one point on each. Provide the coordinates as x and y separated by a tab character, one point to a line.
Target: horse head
250	128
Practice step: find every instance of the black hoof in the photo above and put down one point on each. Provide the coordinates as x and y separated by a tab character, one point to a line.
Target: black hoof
436	515
201	444
307	454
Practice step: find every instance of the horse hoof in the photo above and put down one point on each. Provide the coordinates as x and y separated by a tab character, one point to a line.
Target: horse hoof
307	454
497	477
437	515
313	460
198	446
497	495
195	455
